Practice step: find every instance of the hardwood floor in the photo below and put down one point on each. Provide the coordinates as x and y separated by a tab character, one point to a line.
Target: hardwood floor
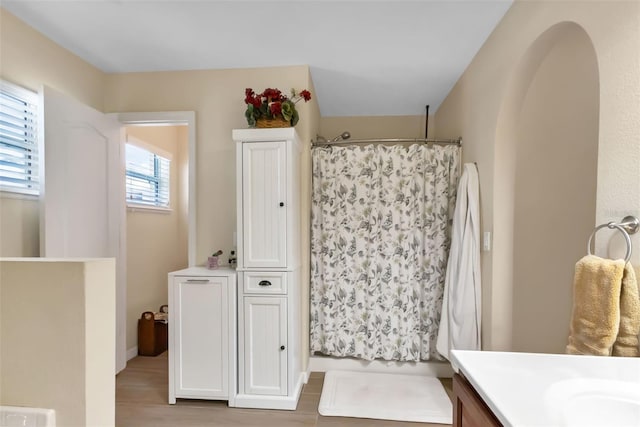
141	401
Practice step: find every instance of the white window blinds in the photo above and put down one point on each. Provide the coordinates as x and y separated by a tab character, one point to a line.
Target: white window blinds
18	140
148	177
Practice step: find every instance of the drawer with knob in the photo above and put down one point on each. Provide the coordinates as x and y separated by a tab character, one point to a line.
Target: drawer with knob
265	283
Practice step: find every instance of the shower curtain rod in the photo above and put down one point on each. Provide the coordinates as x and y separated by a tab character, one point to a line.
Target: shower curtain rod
457	141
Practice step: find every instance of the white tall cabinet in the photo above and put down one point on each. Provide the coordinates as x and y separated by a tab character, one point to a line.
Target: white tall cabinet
202	334
268	236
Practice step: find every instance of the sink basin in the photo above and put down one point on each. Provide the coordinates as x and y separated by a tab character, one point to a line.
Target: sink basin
555	390
594	402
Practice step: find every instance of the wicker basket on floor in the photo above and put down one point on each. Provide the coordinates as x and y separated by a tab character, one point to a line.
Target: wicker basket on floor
152	334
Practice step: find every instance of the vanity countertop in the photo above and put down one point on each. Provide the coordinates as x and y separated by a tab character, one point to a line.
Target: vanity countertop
527	389
204	271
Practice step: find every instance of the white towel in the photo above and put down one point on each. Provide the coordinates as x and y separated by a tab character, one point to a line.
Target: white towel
461	306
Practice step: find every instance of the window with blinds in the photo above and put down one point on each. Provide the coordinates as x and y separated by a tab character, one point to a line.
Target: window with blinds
18	140
148	178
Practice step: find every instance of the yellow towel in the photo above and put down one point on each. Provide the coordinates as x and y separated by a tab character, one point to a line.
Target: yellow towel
596	305
627	342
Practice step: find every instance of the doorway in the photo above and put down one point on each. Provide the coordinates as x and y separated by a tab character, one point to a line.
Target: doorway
159	239
157	192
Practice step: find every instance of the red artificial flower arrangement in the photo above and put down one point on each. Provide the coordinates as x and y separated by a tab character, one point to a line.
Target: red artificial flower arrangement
272	104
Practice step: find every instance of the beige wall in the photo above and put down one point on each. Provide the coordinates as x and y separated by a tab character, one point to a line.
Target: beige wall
182	192
362	127
29	59
307	131
556	138
57	338
156	241
478	109
19	226
482	107
217	97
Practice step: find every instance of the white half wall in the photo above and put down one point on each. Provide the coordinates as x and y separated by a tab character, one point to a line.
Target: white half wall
57	337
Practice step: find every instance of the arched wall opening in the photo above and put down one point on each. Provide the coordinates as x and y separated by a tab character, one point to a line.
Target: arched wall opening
545	187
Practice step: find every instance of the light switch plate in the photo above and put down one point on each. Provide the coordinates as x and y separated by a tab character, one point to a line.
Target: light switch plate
486	241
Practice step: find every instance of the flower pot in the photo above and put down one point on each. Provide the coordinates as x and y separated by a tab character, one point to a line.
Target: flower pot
278	122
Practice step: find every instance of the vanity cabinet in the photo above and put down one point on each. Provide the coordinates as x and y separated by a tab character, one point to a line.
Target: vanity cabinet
265	343
469	410
268	235
202	334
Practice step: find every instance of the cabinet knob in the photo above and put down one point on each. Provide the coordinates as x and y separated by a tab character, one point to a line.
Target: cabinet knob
264	283
281	204
281	347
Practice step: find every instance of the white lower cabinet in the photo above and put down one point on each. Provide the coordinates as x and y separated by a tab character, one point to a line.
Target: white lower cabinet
265	345
269	367
202	334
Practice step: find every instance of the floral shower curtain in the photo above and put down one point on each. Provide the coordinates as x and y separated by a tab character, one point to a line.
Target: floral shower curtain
380	234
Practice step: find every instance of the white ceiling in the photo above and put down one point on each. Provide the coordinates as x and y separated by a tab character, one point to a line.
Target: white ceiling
366	57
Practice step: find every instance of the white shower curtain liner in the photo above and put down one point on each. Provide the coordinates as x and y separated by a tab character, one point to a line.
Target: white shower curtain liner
461	308
379	246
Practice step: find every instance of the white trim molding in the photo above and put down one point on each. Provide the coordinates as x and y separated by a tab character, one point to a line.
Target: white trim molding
432	369
132	352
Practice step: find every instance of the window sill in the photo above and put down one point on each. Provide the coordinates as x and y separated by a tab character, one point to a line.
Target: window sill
148	209
15	195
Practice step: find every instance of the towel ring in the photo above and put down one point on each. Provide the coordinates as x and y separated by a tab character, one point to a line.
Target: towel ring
621	229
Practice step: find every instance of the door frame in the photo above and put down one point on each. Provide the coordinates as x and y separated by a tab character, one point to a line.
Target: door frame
160	118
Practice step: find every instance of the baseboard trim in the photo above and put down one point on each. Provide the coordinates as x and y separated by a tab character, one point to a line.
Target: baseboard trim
306	374
432	369
289	403
299	384
132	352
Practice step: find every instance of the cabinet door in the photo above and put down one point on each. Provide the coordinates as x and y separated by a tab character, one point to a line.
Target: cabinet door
201	354
469	410
265	342
264	204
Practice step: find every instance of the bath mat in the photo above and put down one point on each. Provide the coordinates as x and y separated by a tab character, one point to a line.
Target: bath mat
385	396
